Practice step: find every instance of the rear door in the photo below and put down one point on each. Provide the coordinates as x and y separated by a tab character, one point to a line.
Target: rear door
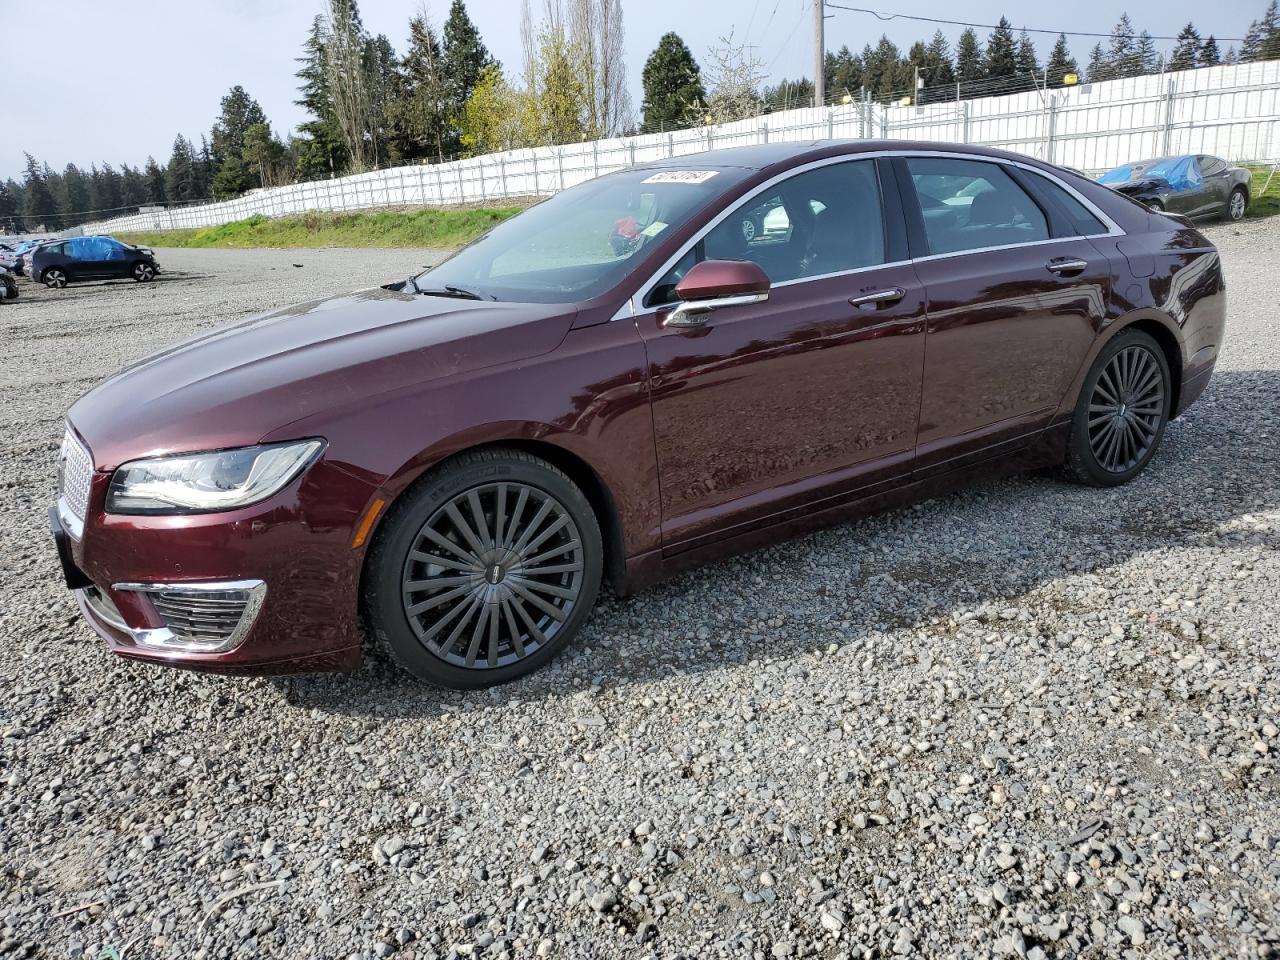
1217	183
1016	294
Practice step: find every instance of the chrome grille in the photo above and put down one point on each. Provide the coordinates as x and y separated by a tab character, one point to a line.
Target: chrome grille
202	618
75	469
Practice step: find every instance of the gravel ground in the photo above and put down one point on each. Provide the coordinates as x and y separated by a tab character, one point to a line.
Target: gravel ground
1028	719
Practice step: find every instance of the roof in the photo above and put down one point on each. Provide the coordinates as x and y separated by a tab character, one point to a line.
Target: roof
764	155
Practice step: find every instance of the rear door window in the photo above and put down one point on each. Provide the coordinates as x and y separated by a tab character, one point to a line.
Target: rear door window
972	205
1082	221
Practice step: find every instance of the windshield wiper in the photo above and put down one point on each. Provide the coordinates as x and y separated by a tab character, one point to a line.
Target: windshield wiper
451	290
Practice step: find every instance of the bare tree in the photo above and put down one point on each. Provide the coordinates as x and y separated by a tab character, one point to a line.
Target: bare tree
615	99
735	74
344	65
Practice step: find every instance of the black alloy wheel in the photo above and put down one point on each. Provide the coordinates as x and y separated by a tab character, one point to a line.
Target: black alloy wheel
484	570
1122	412
55	278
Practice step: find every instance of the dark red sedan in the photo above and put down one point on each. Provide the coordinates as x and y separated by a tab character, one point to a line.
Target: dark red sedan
655	368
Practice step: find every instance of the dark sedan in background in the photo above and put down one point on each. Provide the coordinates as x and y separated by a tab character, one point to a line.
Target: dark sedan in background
624	381
61	262
1193	185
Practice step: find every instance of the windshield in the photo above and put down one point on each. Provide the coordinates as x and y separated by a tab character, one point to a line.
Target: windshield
579	243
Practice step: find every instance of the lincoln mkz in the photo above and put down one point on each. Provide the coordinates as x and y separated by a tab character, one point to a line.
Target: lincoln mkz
655	368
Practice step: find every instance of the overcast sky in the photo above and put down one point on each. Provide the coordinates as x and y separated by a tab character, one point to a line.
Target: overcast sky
114	85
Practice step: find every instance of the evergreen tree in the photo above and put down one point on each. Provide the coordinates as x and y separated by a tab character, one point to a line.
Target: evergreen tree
1099	68
104	190
133	186
937	76
885	72
464	58
1186	52
38	204
239	112
383	81
1028	65
1231	56
74	196
942	70
672	82
321	151
1060	62
1148	58
1122	57
154	174
53	180
421	110
205	167
10	205
787	95
1262	41
1001	57
969	63
180	179
843	72
1209	55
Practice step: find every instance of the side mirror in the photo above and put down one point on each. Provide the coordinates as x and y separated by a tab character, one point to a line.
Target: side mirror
713	284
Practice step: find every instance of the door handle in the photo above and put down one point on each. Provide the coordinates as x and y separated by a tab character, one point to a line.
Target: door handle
879	296
1066	266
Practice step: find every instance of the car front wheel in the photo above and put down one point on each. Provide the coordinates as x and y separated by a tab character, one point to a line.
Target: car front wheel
143	272
55	278
484	570
1122	411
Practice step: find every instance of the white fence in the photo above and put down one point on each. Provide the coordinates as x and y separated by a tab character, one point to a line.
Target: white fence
1230	111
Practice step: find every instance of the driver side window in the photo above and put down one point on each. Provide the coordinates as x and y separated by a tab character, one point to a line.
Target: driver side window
823	221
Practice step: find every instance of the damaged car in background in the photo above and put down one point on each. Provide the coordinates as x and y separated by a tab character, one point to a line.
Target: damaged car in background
1192	185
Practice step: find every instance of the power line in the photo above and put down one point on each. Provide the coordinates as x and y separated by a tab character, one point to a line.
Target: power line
992	26
790	36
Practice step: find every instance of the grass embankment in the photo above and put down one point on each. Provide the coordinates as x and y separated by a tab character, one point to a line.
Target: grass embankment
389	228
1264	204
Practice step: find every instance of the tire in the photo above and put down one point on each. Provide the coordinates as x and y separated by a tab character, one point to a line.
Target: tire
55	278
1237	203
1155	206
475	623
10	290
1122	412
143	272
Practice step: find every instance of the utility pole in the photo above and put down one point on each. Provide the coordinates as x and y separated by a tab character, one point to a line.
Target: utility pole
819	54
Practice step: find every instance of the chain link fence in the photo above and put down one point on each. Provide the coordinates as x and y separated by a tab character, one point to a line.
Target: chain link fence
1230	111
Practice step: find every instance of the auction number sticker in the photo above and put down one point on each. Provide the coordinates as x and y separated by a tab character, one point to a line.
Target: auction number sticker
681	176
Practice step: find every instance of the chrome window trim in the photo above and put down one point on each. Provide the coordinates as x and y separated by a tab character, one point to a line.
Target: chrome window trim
633	306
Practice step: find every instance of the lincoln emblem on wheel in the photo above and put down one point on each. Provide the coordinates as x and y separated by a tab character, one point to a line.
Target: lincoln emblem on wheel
658	367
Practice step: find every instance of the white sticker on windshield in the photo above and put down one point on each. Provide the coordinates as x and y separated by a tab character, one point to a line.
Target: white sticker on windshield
653	229
681	176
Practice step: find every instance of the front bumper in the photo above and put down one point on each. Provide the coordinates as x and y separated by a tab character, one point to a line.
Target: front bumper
288	562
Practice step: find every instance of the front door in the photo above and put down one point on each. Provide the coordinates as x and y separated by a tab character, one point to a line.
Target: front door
1013	310
771	407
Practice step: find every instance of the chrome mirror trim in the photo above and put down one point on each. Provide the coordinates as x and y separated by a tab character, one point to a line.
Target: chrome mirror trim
695	313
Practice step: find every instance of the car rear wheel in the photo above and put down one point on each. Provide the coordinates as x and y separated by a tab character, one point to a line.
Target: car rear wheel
144	272
1121	415
484	570
1155	206
55	278
1236	204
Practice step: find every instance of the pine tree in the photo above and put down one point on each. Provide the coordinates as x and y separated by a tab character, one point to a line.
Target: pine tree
1060	62
843	71
133	186
1122	59
464	57
1099	67
672	82
884	71
1028	64
10	205
1209	55
1262	41
969	63
382	71
180	178
421	110
1186	52
321	151
73	198
239	112
1145	53
1001	55
943	71
38	204
154	174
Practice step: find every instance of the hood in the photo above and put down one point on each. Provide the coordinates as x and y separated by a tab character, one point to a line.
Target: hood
234	386
1140	185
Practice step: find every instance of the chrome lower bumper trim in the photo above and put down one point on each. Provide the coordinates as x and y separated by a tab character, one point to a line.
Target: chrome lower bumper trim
73	525
165	641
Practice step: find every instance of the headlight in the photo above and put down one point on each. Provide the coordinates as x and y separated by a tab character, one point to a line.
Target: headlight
208	482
